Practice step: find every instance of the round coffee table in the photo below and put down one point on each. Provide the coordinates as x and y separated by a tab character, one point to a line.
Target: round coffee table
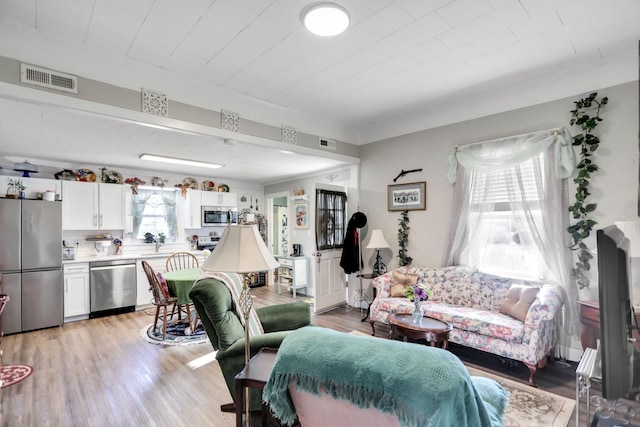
435	332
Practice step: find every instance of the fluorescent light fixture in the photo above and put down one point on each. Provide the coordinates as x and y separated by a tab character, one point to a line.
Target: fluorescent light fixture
326	19
176	161
286	151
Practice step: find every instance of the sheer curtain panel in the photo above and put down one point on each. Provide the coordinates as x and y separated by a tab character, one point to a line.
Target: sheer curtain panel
510	210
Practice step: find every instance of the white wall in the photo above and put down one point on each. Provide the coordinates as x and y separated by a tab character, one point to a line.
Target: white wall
614	188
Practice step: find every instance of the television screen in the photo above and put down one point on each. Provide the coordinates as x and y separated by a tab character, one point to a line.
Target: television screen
616	315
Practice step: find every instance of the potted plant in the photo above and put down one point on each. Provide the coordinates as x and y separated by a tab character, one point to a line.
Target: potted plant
15	189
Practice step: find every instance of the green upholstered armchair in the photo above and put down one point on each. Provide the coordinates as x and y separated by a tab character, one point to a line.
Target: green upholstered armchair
220	319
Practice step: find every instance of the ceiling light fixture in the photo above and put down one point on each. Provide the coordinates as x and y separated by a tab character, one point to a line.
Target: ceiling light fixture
326	19
176	161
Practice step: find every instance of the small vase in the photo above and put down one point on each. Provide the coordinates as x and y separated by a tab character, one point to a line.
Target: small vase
418	312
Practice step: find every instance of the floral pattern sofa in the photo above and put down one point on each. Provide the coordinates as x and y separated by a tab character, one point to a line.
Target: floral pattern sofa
470	301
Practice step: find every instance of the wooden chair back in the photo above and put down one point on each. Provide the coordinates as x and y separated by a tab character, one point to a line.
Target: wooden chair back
181	261
160	296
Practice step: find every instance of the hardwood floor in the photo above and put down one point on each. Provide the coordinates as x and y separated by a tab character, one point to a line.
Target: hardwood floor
99	372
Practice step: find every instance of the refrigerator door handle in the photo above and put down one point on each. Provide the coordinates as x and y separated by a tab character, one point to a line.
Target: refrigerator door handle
29	223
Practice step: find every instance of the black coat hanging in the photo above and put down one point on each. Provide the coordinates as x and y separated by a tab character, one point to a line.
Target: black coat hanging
351	260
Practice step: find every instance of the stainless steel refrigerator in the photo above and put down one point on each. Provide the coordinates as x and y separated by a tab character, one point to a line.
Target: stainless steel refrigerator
31	264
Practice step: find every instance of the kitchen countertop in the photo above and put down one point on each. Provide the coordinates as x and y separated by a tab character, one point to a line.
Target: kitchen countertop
132	256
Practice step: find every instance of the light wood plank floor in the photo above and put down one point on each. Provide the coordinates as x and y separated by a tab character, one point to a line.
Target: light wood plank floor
99	372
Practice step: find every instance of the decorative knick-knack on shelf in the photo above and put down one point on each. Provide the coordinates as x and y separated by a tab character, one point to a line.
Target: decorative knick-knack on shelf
15	189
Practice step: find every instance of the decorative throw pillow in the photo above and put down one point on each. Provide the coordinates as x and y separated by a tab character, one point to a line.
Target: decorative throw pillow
518	300
400	281
164	288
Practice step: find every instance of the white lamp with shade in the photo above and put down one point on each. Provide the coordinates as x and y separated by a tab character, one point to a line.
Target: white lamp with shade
378	242
241	250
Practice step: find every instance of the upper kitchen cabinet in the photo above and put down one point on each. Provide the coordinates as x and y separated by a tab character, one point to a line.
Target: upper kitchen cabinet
212	198
92	206
193	211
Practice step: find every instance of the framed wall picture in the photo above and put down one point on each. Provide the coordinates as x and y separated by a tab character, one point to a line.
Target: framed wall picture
301	214
411	196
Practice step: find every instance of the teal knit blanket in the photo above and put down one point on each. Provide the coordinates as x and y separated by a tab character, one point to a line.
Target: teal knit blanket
421	385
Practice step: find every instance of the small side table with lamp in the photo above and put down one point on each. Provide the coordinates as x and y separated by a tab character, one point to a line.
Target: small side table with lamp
378	243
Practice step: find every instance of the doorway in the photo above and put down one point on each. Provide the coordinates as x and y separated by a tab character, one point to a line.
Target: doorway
279	225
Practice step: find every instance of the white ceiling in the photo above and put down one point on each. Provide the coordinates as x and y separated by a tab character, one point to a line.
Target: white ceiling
402	66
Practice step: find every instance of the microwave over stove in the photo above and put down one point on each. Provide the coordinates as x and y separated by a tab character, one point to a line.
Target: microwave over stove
219	215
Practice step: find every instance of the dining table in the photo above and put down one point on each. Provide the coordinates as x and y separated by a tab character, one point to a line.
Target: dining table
180	283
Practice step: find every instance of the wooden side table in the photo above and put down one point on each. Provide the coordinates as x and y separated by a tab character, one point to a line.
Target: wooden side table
254	375
590	319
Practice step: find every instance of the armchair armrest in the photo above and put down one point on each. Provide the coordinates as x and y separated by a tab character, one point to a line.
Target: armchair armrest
382	284
545	306
541	317
284	317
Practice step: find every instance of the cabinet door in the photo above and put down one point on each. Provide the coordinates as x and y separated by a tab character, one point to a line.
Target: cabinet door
111	215
193	218
211	198
79	205
300	272
228	199
76	290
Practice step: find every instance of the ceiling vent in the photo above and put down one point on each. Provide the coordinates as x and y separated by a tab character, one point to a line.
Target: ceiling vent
327	143
48	78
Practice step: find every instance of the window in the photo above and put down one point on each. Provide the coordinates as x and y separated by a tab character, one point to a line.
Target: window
154	211
499	240
331	218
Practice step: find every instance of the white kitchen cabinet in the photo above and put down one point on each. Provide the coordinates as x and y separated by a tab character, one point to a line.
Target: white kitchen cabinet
76	291
293	273
193	214
92	206
212	198
144	295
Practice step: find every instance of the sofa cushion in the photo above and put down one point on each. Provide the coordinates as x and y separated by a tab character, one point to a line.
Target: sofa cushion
400	281
478	321
518	301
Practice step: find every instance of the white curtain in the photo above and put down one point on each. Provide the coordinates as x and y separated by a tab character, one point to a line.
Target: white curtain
523	178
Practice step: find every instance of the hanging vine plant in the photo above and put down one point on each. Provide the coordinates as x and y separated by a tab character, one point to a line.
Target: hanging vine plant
403	239
587	116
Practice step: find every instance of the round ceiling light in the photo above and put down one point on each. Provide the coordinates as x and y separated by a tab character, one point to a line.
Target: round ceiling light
327	19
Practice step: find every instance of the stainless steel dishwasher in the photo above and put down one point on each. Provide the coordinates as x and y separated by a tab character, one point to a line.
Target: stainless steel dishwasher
113	287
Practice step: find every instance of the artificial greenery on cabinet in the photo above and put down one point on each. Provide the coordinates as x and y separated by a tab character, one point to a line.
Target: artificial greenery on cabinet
586	115
403	239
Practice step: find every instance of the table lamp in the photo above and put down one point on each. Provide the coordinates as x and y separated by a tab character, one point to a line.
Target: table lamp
241	250
378	242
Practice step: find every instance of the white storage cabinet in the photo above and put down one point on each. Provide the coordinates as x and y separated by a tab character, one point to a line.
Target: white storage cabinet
212	198
293	273
193	214
76	291
93	206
